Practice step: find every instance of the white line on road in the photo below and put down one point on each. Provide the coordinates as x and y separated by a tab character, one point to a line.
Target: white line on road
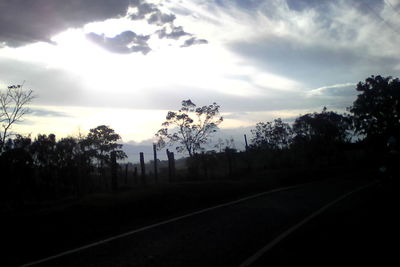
158	224
285	234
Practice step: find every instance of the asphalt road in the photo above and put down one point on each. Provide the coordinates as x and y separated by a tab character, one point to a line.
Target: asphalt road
229	235
360	230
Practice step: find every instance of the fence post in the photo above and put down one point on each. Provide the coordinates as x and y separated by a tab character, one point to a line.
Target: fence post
171	165
247	156
142	168
126	174
135	176
114	182
155	163
229	157
245	141
204	162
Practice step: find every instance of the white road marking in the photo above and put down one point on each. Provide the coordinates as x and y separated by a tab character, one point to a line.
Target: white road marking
68	252
285	234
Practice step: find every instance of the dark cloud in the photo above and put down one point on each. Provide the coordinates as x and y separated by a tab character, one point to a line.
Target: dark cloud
314	64
300	5
124	43
160	19
24	22
41	112
143	9
155	16
250	5
177	32
151	13
172	33
194	41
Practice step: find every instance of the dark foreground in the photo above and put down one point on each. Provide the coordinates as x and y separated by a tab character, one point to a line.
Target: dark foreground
228	236
361	230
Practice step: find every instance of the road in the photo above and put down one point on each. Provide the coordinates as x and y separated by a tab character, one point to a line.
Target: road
360	230
230	235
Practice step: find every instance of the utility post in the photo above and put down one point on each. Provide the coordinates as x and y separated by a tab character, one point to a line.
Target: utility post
142	168
114	166
155	163
171	165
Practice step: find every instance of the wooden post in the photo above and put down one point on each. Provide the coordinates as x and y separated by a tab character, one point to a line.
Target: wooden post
245	141
247	155
204	162
114	182
135	176
171	165
142	168
155	163
229	156
126	174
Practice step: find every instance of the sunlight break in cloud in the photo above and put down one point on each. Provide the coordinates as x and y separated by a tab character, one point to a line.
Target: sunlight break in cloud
327	90
259	58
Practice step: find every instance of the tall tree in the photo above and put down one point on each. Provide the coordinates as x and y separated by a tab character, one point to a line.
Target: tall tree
272	135
43	150
13	102
190	127
102	140
325	128
67	151
377	108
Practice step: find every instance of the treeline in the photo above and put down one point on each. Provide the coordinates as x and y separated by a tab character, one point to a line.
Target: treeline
365	137
42	169
324	140
33	171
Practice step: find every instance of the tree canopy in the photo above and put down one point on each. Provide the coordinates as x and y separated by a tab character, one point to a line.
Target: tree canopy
377	108
190	127
272	135
102	140
323	128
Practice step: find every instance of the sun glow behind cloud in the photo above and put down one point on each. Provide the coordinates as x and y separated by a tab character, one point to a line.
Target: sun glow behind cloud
209	67
261	61
129	123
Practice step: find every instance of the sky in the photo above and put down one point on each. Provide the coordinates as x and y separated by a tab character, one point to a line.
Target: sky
125	63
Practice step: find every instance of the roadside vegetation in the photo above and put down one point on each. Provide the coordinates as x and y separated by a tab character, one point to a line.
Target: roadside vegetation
40	170
73	188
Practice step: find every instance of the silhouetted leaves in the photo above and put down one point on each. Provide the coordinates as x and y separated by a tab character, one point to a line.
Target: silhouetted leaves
190	127
325	128
272	135
377	108
101	141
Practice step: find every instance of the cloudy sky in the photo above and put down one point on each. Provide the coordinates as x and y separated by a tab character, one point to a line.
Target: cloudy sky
124	63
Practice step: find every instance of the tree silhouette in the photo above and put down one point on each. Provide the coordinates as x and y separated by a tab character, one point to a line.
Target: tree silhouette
377	108
43	150
67	151
190	127
325	128
101	141
13	103
272	135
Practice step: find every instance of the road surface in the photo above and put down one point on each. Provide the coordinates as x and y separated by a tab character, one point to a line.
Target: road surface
231	235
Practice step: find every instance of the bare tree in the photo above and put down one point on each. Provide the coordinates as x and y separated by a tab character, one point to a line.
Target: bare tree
190	127
13	102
